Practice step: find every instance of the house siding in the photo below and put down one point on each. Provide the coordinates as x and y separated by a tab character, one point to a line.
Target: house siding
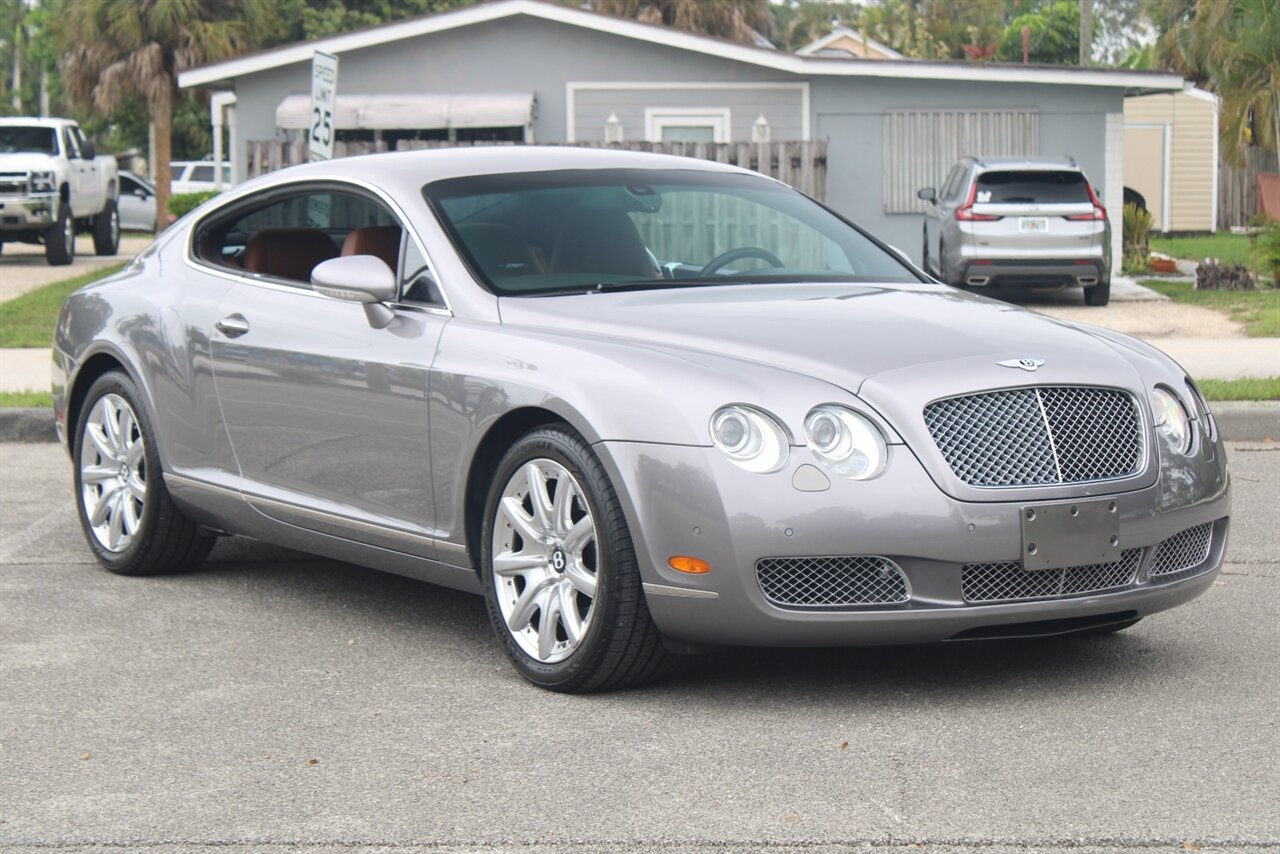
782	106
1191	161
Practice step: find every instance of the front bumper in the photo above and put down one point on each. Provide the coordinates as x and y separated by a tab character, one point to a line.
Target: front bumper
691	501
36	211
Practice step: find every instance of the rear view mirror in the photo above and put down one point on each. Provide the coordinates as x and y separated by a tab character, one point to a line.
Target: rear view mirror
365	279
928	194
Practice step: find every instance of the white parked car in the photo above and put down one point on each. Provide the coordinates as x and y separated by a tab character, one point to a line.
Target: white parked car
137	203
197	176
53	185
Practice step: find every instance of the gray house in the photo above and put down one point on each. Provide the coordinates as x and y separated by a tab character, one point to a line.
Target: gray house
539	72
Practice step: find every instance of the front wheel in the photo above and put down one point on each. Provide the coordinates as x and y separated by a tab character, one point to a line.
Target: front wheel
106	229
60	239
129	520
560	573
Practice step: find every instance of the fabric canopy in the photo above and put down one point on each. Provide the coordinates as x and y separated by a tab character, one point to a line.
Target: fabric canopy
412	112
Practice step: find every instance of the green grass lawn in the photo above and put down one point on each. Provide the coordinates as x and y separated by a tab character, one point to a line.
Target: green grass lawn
28	321
1226	247
1267	388
1258	310
25	399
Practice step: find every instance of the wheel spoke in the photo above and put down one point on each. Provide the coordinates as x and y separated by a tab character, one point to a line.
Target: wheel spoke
111	427
132	518
562	509
581	578
578	536
116	525
512	563
100	441
98	474
522	610
569	613
135	453
538	497
551	613
127	424
137	488
524	525
103	508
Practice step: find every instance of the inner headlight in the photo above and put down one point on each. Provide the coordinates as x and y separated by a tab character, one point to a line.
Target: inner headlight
845	442
43	182
750	437
1171	419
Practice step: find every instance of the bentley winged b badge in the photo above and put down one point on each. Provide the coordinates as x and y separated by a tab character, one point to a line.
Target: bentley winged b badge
1025	364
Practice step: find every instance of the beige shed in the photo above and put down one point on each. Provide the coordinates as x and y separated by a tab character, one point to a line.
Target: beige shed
1171	158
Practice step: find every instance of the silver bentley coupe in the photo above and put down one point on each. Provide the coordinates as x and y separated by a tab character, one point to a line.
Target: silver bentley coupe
643	404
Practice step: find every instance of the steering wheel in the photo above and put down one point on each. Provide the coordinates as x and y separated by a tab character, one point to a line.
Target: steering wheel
741	252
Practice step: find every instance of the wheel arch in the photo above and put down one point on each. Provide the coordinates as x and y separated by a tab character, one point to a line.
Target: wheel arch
86	375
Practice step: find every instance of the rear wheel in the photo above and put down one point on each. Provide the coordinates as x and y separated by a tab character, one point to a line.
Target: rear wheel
561	578
1099	294
106	229
60	239
129	520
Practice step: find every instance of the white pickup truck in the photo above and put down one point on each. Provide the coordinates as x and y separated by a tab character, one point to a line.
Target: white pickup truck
53	185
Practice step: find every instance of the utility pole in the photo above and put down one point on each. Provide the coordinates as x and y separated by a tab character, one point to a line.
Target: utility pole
1086	32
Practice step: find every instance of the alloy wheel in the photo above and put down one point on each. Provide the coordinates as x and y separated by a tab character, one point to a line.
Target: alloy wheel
113	472
545	560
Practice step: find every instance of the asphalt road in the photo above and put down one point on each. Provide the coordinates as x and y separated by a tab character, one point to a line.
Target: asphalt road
277	702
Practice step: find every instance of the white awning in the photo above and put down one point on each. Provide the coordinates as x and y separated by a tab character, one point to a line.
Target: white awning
412	112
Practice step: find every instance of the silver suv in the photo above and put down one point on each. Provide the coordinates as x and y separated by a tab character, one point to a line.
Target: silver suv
1017	221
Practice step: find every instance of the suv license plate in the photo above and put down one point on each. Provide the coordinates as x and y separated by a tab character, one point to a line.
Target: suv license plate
1035	224
1070	533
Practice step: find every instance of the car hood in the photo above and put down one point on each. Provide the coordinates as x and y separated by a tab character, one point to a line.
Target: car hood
26	161
939	340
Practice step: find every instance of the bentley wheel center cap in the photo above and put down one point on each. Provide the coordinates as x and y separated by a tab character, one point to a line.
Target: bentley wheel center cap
558	560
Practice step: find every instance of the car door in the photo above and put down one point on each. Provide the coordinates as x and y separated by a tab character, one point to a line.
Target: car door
86	188
935	217
137	204
327	416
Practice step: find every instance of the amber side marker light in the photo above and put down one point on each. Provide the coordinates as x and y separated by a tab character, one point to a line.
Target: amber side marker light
691	565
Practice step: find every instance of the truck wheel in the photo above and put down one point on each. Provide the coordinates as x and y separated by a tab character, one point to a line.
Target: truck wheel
106	229
60	239
1099	294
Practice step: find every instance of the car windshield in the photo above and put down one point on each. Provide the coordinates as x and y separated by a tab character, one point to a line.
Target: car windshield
1048	187
574	230
37	139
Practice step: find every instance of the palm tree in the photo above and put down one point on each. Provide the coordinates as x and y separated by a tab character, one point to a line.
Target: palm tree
114	49
1244	63
731	19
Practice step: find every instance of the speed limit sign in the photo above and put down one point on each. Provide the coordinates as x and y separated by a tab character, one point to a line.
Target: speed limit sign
324	95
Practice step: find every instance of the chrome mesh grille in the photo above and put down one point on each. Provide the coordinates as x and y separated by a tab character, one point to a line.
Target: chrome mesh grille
1181	555
1038	436
816	582
1008	581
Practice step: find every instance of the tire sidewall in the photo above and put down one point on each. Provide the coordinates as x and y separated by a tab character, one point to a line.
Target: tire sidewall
116	382
555	444
106	231
62	252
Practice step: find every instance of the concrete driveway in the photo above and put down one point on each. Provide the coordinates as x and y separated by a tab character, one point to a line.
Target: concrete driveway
23	267
277	702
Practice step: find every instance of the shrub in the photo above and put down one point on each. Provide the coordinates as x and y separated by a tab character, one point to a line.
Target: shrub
1136	228
1212	276
183	203
1266	255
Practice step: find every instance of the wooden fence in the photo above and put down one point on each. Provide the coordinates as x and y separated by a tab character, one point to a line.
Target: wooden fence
803	165
1238	186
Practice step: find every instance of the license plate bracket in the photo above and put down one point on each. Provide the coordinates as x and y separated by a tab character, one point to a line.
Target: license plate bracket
1070	533
1035	224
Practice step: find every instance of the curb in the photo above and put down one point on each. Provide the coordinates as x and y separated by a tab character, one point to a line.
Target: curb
1249	421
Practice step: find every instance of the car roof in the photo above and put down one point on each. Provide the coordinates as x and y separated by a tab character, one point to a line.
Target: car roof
1039	164
34	121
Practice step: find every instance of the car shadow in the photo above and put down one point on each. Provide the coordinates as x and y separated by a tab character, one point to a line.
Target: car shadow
428	617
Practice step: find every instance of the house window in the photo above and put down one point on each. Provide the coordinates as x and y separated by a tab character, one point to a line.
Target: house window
686	124
920	146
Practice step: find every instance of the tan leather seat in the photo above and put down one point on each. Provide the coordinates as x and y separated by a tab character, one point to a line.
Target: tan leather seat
289	253
380	241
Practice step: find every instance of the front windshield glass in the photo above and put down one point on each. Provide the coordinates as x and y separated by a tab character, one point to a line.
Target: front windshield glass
36	139
575	230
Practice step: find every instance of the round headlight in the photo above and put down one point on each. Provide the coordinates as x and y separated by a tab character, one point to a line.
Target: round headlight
845	442
751	438
1171	419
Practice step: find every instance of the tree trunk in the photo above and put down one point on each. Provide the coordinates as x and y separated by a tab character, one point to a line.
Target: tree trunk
162	116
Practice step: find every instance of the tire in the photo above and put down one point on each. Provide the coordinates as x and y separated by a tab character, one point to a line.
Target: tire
106	229
144	534
1099	294
562	582
60	239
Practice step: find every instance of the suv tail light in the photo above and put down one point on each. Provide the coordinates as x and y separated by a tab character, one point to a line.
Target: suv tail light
1099	213
965	212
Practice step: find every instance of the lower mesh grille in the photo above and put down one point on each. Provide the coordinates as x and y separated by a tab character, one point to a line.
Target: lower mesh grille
818	582
1182	554
1007	581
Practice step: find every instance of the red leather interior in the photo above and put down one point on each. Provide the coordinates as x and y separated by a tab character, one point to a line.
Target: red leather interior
380	241
290	253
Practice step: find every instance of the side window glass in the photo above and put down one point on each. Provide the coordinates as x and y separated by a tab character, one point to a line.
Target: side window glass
286	238
69	144
952	189
417	285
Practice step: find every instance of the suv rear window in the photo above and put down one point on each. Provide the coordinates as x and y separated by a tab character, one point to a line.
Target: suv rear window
1047	187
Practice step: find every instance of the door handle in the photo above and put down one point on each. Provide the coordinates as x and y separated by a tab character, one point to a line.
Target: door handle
233	326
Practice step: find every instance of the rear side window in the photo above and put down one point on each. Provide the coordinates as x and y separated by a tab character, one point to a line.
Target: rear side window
1049	187
202	173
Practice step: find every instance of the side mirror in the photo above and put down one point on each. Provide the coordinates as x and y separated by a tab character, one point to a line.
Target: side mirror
358	278
928	194
88	150
142	193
